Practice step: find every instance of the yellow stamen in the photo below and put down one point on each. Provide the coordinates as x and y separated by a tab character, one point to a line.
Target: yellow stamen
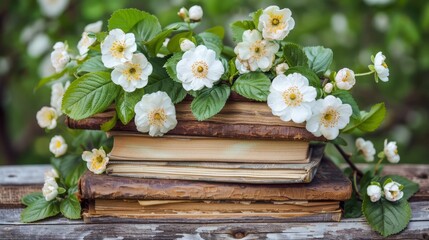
330	118
200	69
292	97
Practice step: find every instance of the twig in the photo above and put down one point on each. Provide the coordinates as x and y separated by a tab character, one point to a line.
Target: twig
346	157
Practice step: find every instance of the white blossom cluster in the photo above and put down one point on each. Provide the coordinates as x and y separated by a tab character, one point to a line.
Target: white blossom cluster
392	191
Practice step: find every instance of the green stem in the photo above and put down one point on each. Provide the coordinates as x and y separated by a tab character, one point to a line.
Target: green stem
377	166
228	51
355	183
347	157
364	74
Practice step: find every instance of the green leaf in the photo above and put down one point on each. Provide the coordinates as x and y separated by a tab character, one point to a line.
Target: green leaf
239	27
386	217
31	198
126	19
72	190
170	66
74	175
125	104
153	46
410	187
174	43
217	30
346	97
160	81
352	207
211	41
70	207
61	190
66	163
319	58
90	94
51	78
340	141
93	64
210	101
368	121
253	85
181	26
308	73
255	16
107	126
294	55
40	209
146	29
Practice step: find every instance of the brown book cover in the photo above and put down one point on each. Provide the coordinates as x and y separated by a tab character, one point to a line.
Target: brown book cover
328	184
238	119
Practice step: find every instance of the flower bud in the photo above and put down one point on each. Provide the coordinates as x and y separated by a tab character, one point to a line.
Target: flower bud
392	191
374	192
186	45
328	88
183	13
391	152
195	13
281	68
50	189
345	79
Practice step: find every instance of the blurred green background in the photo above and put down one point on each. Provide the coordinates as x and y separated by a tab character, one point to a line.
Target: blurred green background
354	30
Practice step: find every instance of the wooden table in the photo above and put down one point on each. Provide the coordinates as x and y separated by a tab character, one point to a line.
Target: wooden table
16	181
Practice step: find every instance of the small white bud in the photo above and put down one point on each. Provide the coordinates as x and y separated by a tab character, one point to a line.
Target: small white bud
183	13
328	88
196	13
374	192
281	68
186	45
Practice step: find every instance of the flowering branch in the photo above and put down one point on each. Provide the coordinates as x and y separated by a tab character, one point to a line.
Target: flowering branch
347	157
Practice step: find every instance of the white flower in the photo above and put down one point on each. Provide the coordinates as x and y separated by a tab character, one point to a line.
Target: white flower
117	48
258	53
47	117
281	68
96	160
60	57
199	68
134	74
366	148
391	152
392	191
275	23
329	116
38	45
57	95
53	8
328	88
183	13
186	45
52	173
374	192
155	113
195	13
50	189
380	67
242	66
58	146
345	79
94	27
290	97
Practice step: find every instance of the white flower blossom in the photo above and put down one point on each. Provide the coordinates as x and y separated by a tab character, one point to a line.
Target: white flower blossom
291	97
53	8
374	192
186	45
96	160
199	68
391	152
281	68
329	116
345	79
52	173
242	66
117	48
134	74
94	27
85	42
47	117
57	94
328	88
276	23
155	113
380	67
60	57
58	146
50	189
255	52
366	148
393	191
38	45
195	13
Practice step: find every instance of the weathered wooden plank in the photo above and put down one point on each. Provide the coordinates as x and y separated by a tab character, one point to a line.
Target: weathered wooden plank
346	230
22	175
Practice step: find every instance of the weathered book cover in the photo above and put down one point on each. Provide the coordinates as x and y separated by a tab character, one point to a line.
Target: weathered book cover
250	120
328	184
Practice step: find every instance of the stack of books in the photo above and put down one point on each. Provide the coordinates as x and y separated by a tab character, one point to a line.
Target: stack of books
243	164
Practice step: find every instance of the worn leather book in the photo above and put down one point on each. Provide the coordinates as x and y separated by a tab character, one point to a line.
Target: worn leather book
328	183
138	147
238	119
101	210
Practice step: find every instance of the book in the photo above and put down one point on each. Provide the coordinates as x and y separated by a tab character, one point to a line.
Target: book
238	119
123	210
329	183
138	147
